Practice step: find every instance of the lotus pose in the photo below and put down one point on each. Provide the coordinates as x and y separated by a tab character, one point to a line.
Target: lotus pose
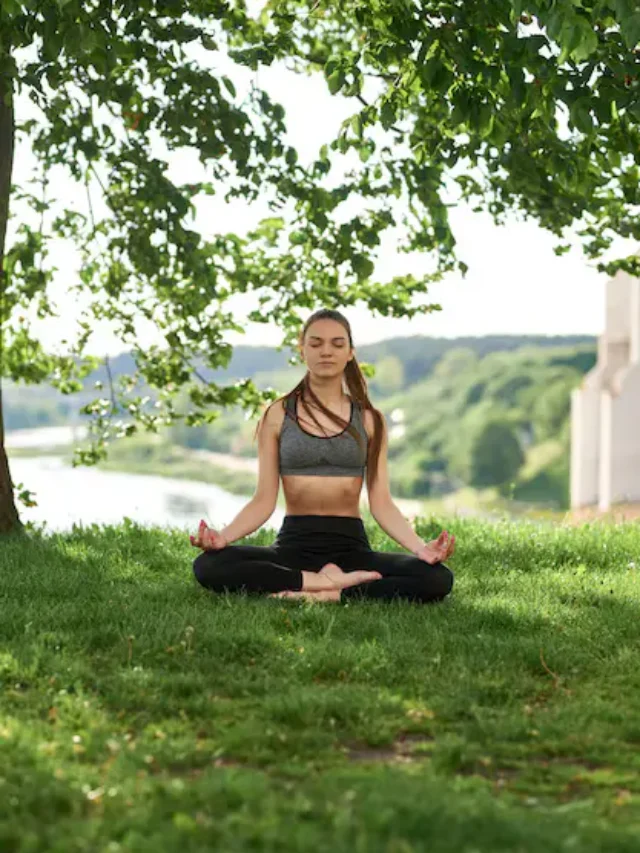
322	442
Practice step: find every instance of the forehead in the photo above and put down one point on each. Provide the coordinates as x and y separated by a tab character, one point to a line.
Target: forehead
327	329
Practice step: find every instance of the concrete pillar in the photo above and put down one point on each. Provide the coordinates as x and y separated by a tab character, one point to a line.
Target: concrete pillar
605	409
585	446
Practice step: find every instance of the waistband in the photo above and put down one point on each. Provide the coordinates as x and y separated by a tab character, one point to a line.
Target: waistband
322	523
329	530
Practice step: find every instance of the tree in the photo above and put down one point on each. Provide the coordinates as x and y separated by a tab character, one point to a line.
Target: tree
473	86
455	362
110	80
553	408
389	375
495	455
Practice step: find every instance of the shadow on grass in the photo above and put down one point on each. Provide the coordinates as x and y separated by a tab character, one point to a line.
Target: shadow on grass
105	614
125	615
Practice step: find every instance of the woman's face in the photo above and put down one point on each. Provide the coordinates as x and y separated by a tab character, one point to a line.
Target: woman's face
326	341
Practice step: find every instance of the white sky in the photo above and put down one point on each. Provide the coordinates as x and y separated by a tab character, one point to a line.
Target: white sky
515	283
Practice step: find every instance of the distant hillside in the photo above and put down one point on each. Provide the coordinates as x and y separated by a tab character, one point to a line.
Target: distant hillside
403	362
418	354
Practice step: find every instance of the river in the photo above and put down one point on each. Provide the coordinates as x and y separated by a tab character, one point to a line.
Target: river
85	495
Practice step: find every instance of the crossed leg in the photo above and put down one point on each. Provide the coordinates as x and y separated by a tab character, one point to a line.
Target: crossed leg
403	576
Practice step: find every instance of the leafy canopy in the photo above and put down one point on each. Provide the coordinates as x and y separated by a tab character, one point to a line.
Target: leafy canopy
526	107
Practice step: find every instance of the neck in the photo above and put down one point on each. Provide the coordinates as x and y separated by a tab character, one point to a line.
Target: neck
329	393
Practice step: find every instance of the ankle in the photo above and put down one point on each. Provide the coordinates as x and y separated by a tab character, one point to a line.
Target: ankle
315	582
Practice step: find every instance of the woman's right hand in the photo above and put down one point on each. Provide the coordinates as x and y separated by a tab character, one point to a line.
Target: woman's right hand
208	539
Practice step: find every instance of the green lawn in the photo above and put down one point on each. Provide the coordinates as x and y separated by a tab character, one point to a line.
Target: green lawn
140	713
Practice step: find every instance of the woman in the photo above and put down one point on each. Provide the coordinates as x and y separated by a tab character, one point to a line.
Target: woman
320	441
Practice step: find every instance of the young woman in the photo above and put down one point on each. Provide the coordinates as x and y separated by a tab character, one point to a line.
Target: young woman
321	442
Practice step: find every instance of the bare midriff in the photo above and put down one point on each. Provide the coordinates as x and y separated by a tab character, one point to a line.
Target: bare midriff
315	495
322	495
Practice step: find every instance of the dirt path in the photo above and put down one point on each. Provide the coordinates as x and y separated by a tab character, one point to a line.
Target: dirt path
615	515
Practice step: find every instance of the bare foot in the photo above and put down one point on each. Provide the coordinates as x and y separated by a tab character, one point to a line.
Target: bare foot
310	595
342	580
339	580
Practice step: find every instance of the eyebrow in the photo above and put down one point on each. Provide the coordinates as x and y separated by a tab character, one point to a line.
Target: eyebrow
318	338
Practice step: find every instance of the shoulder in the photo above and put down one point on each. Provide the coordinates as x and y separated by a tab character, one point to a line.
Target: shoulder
368	421
274	416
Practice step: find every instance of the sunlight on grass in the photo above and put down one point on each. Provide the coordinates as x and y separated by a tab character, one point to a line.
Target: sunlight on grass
140	712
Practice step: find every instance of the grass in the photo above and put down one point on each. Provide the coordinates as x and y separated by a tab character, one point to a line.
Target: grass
138	712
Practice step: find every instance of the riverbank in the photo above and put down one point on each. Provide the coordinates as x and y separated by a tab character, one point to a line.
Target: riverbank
152	455
149	454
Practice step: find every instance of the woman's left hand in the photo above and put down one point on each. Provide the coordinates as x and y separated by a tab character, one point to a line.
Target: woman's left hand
438	549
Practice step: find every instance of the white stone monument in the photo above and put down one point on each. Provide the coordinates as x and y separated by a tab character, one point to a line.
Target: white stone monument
605	408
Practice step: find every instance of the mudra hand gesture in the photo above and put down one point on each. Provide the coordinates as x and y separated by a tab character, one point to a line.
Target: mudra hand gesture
437	550
208	539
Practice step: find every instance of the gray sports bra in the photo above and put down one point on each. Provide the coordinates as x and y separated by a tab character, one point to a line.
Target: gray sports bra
321	456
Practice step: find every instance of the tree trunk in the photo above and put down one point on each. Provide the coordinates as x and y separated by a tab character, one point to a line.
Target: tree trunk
9	519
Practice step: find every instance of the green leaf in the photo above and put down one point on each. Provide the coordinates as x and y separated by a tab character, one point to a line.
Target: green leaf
208	43
581	116
291	156
581	40
630	29
11	8
229	86
362	266
336	81
387	115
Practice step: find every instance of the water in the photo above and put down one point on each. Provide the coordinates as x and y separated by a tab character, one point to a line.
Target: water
85	495
45	437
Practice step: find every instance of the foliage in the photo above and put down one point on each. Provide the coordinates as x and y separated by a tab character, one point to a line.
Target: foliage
495	455
527	109
389	376
449	423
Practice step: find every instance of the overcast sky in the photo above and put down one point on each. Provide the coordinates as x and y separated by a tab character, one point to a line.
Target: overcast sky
515	283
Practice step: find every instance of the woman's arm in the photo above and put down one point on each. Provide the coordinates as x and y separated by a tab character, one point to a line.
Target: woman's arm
250	518
263	502
381	504
397	527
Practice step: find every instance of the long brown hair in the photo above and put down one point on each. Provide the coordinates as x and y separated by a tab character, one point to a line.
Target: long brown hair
357	385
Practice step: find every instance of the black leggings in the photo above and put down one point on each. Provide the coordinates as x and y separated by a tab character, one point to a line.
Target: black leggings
308	542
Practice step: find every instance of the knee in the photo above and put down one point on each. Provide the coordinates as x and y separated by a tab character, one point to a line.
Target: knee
209	567
441	582
447	578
